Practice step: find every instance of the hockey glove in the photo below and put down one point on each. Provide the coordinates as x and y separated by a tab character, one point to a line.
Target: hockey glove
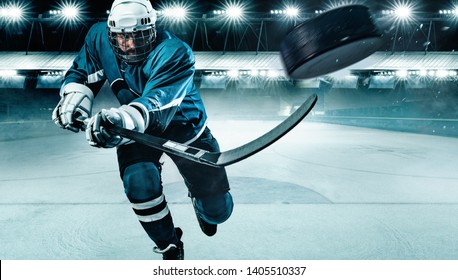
76	101
125	116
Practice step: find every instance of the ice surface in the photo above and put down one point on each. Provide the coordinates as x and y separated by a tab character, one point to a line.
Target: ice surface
321	192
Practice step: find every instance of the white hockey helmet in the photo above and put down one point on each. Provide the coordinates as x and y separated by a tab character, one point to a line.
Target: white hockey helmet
132	29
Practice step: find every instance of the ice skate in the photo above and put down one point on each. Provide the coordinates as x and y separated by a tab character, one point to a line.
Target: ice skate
173	251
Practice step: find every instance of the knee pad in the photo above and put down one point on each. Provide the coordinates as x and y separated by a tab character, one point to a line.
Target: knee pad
142	182
215	209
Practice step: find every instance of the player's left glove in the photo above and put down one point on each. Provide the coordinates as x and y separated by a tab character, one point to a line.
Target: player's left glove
76	101
125	116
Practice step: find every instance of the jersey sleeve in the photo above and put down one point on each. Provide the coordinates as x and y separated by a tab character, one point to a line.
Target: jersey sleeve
170	81
86	67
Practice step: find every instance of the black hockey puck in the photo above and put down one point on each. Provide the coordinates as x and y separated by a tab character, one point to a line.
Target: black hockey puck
329	42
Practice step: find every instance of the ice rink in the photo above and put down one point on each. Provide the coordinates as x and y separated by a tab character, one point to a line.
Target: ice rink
322	192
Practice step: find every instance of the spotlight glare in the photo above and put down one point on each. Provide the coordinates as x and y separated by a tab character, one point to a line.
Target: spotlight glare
233	74
234	12
441	73
423	73
12	12
70	12
332	4
176	12
402	74
16	13
403	12
273	74
292	12
8	73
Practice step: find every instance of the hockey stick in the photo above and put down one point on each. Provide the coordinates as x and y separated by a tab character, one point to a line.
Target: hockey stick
219	159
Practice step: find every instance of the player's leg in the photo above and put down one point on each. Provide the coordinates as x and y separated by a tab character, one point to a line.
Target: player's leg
208	187
212	210
141	175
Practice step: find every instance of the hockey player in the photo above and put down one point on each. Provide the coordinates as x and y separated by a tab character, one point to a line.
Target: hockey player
150	71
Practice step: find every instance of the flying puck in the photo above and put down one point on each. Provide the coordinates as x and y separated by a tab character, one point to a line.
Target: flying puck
329	42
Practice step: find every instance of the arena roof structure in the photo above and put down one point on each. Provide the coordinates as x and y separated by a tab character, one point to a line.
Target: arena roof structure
208	61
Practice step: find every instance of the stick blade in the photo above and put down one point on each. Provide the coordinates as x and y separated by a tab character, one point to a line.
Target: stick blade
258	144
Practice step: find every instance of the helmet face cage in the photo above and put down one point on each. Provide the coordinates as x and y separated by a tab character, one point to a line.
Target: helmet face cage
132	47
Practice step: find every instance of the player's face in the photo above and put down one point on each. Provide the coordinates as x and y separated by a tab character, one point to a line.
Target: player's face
132	47
126	43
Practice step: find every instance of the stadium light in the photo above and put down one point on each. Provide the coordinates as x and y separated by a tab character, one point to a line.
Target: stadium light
12	12
441	74
70	12
451	12
403	12
454	11
333	4
177	12
233	74
15	13
234	12
231	12
8	73
423	73
292	12
272	74
402	74
288	11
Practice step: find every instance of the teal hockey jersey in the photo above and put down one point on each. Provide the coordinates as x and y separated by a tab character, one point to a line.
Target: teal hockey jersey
162	86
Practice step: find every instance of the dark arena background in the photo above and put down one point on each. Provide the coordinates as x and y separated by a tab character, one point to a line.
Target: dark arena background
408	85
369	174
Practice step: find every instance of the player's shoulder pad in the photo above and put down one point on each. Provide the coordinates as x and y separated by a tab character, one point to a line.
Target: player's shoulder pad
173	46
97	29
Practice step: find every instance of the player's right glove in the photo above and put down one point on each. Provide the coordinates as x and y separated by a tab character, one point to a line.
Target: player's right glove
125	116
76	101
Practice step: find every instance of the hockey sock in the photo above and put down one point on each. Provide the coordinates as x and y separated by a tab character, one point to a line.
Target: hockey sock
155	217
